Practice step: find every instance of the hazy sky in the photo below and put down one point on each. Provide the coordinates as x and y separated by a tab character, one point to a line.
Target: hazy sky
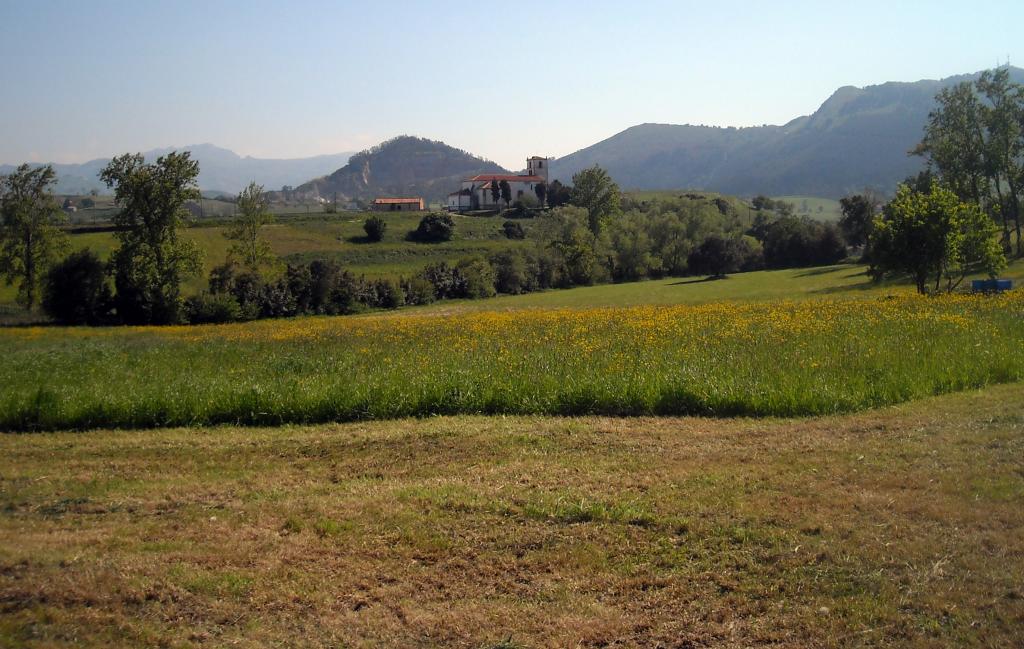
84	79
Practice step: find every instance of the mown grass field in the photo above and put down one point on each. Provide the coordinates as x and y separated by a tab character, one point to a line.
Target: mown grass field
780	358
895	527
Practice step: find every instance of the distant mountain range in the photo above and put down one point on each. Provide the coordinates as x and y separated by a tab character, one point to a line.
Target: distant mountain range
220	170
858	138
404	166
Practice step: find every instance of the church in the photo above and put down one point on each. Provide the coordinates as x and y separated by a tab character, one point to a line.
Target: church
476	191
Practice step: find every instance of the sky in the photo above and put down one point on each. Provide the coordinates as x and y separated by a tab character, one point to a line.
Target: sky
83	79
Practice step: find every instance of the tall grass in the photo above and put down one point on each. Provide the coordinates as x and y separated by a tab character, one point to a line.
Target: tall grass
792	358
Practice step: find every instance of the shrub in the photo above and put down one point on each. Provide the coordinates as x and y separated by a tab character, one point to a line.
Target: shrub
434	228
331	290
510	275
388	294
478	277
277	300
513	230
448	283
375	227
418	290
212	308
76	291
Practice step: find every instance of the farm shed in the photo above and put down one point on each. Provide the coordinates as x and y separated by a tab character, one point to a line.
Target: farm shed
397	205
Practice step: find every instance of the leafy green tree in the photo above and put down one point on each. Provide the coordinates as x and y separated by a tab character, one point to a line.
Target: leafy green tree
858	217
253	250
974	139
478	277
152	258
934	237
506	192
631	249
541	190
716	257
30	239
558	194
595	191
76	290
374	228
434	228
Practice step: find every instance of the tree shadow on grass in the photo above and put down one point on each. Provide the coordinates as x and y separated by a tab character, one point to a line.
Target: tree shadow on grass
822	270
702	280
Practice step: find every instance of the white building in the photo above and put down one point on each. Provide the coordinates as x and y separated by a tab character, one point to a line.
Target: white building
476	192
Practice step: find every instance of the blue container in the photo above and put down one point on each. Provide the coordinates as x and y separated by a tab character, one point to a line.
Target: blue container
991	285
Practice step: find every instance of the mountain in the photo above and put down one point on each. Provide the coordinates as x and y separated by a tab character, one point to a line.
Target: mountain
404	166
860	137
220	170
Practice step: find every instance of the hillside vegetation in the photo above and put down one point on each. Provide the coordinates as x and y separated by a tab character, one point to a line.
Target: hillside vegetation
404	166
859	137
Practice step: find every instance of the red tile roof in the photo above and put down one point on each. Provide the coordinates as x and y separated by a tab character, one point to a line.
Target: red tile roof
510	178
390	201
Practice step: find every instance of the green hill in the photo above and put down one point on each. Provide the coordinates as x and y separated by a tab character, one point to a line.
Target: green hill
404	166
858	138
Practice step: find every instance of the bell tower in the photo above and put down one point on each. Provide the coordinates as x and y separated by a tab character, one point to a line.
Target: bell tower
537	166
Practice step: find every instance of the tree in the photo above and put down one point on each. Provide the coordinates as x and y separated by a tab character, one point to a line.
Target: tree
30	239
434	228
76	290
253	250
495	193
716	257
540	189
477	277
934	236
595	191
858	216
506	192
974	139
152	259
374	228
558	194
513	230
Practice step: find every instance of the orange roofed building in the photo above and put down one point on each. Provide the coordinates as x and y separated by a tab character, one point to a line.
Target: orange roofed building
397	205
476	191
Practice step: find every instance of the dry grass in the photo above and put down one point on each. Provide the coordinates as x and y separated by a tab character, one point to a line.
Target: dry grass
898	526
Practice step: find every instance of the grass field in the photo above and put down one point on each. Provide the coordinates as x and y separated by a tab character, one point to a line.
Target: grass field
783	358
819	209
333	236
896	527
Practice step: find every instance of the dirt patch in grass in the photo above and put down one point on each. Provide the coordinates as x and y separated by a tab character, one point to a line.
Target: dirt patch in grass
900	526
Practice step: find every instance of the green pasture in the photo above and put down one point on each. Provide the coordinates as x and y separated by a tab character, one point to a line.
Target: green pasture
819	209
728	358
340	237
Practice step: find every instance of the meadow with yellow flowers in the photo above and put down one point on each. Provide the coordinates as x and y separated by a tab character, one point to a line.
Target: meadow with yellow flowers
783	358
